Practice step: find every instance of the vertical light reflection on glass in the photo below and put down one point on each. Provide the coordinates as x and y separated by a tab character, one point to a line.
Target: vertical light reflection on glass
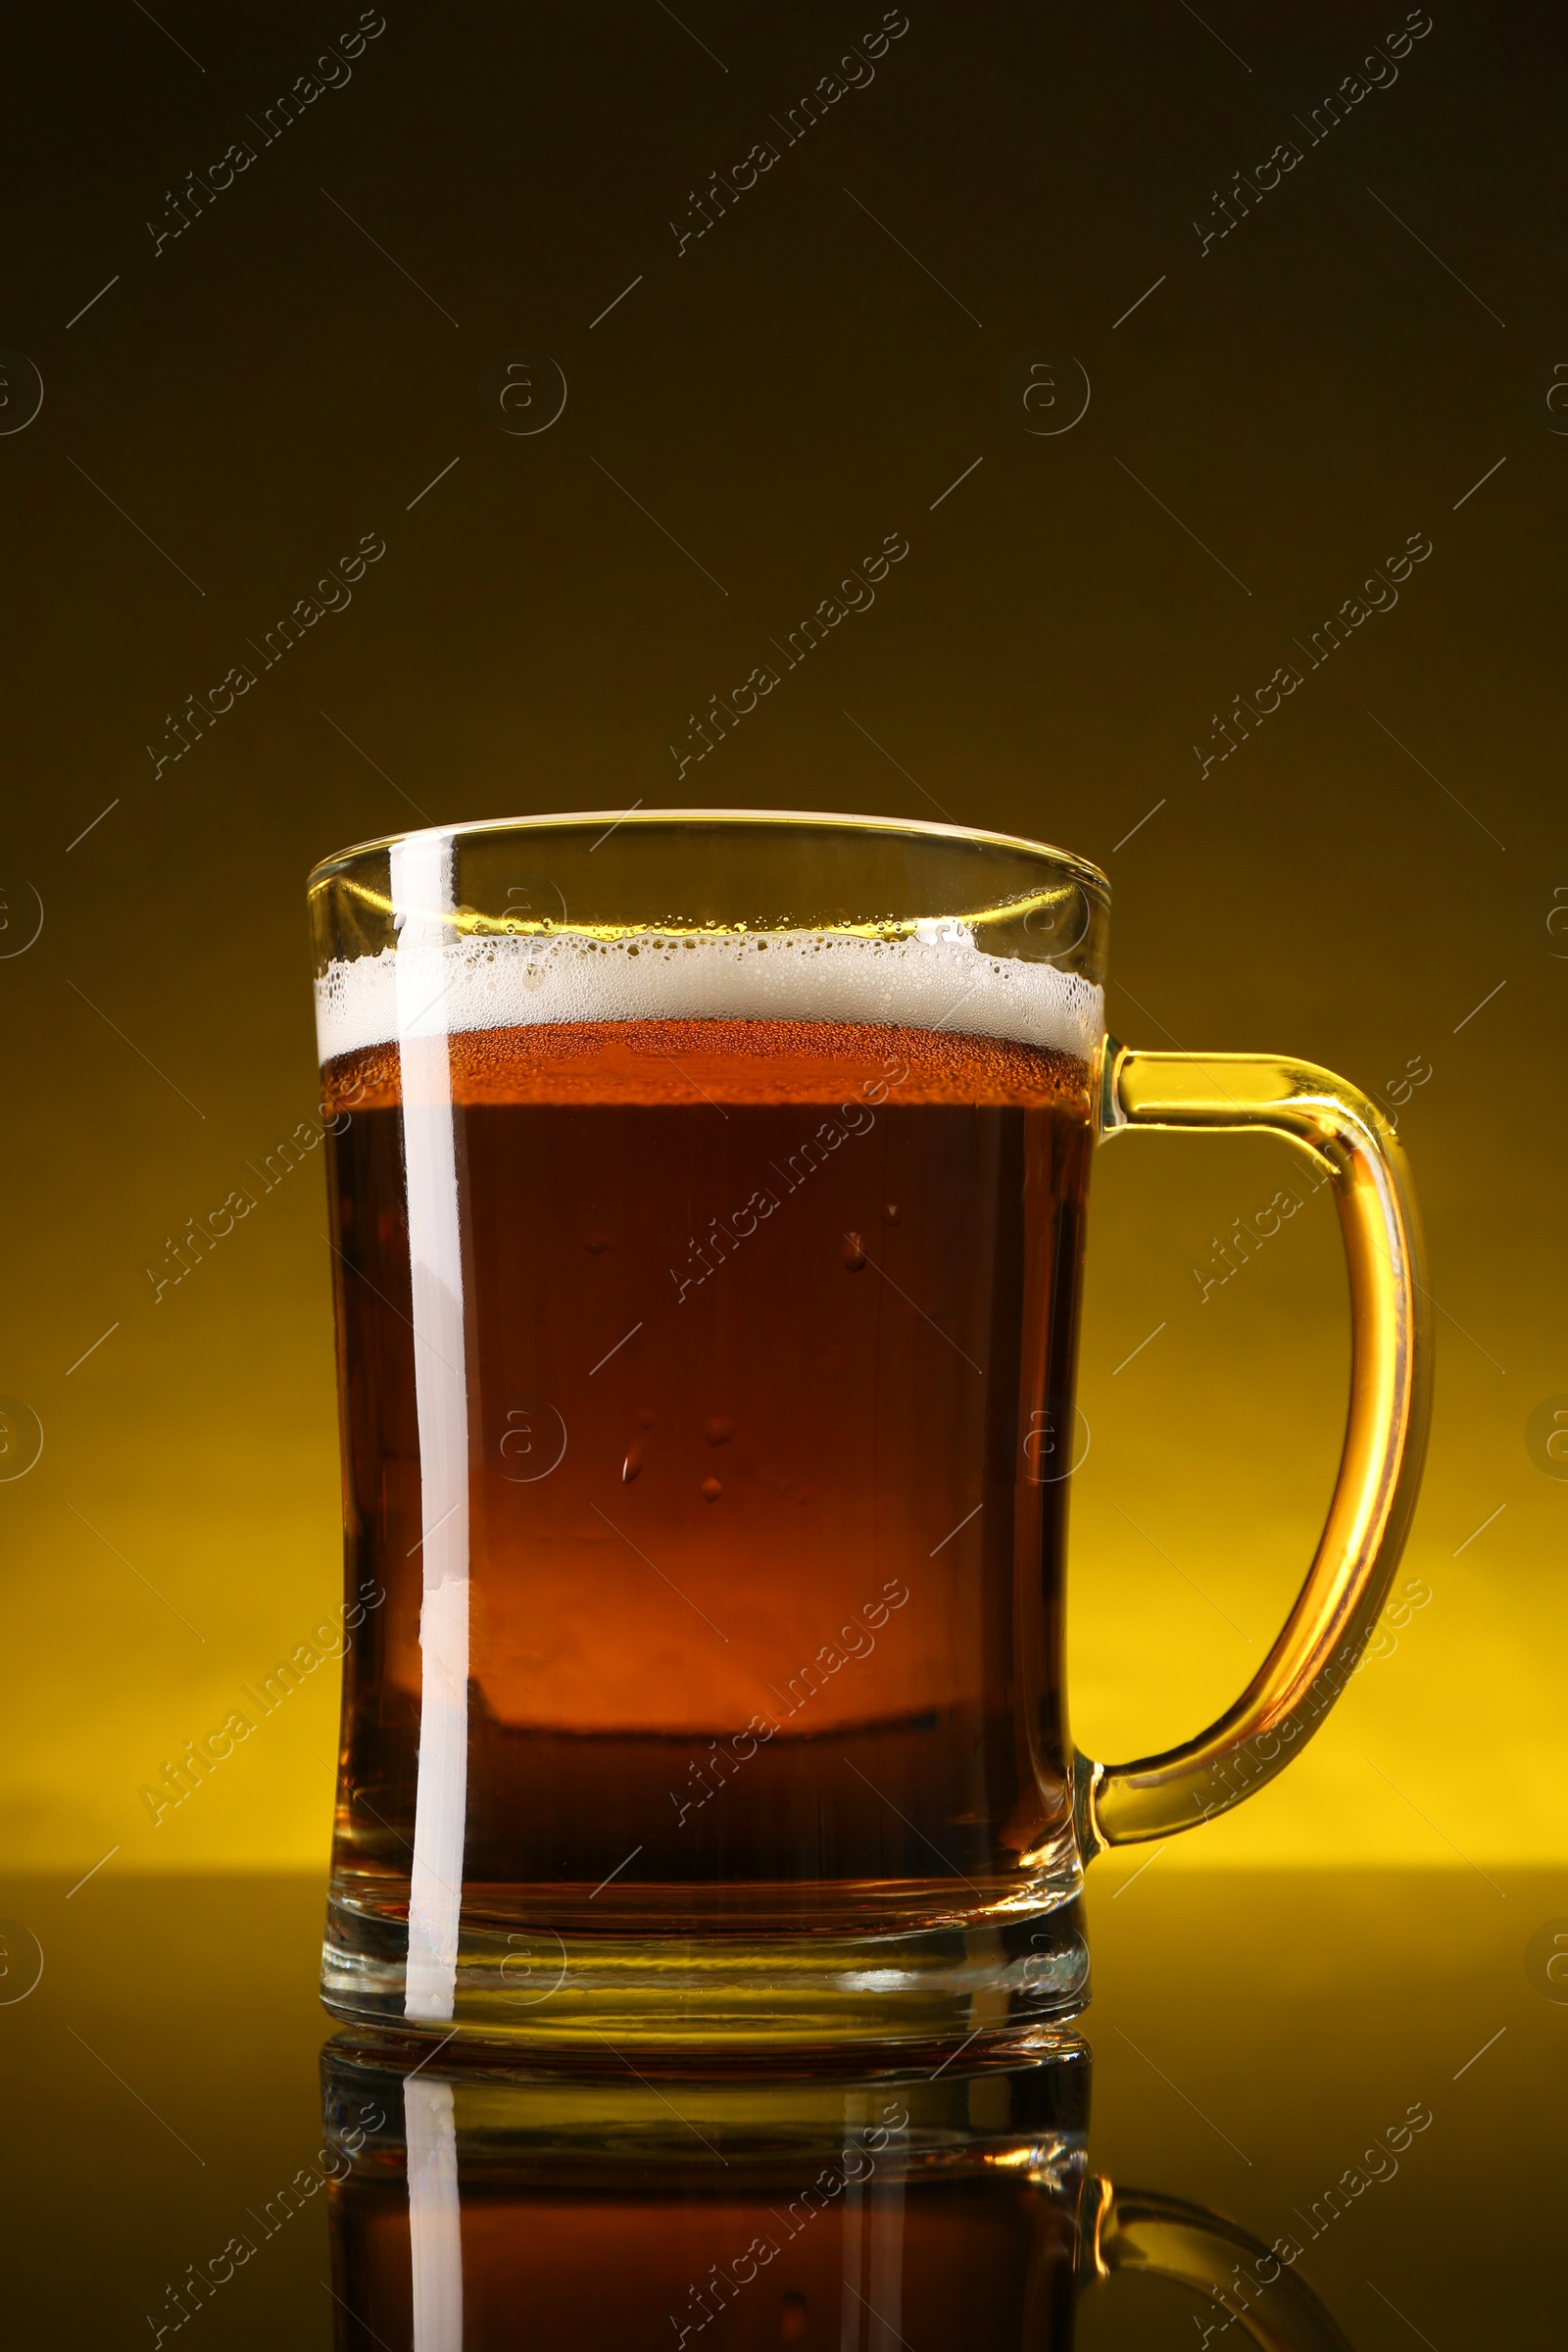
421	893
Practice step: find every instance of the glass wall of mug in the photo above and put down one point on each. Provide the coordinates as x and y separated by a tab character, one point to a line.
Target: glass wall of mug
707	1200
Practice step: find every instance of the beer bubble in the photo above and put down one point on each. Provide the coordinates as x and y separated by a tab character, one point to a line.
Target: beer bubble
523	391
719	1430
712	1489
631	1467
853	1253
1547	1436
531	1440
645	1419
20	1960
891	1214
792	2317
20	1438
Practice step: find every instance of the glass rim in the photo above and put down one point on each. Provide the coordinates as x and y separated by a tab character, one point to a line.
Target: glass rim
1083	869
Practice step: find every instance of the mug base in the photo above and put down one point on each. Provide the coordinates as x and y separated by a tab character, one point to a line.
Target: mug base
678	2001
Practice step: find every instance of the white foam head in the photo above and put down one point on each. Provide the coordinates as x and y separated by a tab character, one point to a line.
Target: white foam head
935	978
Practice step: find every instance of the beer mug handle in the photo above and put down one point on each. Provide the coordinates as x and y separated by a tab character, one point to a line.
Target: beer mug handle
1248	2283
1333	1615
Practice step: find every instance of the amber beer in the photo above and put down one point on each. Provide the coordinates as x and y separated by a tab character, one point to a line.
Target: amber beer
769	1337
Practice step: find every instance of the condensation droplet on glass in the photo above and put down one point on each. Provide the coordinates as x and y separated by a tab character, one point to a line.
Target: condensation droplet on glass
632	1465
719	1430
645	1419
853	1253
792	2317
891	1214
712	1489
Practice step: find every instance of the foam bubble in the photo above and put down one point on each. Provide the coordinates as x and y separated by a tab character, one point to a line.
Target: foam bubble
938	978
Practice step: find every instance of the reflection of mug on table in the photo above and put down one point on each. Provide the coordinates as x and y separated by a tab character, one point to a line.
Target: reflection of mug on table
708	1209
860	2216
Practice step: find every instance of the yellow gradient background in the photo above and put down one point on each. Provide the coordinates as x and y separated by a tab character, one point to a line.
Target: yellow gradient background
1302	396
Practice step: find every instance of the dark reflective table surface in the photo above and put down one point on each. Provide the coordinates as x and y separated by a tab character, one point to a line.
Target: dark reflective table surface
1304	2110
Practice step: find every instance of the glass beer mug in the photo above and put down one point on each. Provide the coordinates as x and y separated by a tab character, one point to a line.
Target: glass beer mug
708	1220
